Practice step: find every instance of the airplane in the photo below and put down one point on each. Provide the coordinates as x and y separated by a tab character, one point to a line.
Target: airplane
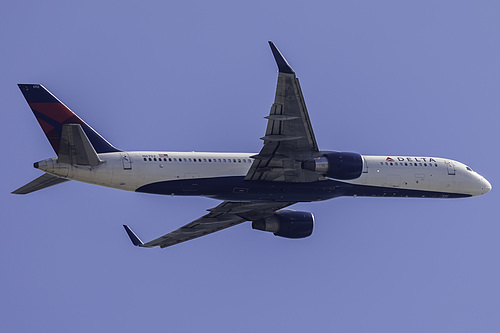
256	187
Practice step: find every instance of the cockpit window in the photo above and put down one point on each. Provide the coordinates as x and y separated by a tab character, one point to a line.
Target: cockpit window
469	169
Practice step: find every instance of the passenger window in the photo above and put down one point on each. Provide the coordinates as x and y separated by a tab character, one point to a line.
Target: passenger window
204	160
145	159
239	161
209	160
150	159
406	164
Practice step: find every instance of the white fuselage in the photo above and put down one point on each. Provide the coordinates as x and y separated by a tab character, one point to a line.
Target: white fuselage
132	170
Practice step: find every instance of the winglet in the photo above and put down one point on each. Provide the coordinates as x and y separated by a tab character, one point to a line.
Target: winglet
133	237
283	65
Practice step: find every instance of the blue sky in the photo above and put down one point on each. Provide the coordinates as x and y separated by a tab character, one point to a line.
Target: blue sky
385	77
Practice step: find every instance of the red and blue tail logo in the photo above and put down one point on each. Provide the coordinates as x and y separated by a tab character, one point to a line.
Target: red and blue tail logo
51	114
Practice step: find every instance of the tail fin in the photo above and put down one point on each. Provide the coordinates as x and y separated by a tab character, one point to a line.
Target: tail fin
52	114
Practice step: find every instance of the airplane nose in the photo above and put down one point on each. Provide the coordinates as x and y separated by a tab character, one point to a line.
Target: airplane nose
486	186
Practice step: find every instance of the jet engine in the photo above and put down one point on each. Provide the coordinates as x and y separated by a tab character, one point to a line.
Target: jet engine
337	165
287	223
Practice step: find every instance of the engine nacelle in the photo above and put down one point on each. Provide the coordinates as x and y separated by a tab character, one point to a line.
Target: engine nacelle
288	224
337	165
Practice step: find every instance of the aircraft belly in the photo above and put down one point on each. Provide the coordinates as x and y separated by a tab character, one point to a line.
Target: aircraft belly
237	189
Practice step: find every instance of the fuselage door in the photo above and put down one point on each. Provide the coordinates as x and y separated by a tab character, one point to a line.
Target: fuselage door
127	163
451	167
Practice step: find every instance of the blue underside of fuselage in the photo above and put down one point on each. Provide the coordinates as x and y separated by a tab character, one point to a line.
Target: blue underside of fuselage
237	189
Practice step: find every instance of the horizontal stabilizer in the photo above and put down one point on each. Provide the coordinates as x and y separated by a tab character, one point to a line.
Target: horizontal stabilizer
75	147
41	182
133	237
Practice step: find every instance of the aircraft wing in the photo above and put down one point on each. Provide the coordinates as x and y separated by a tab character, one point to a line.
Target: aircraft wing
221	217
289	138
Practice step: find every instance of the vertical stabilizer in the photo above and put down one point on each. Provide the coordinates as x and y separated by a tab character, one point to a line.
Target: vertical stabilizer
52	114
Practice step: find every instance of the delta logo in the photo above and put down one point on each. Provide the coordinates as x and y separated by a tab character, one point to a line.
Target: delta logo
410	159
